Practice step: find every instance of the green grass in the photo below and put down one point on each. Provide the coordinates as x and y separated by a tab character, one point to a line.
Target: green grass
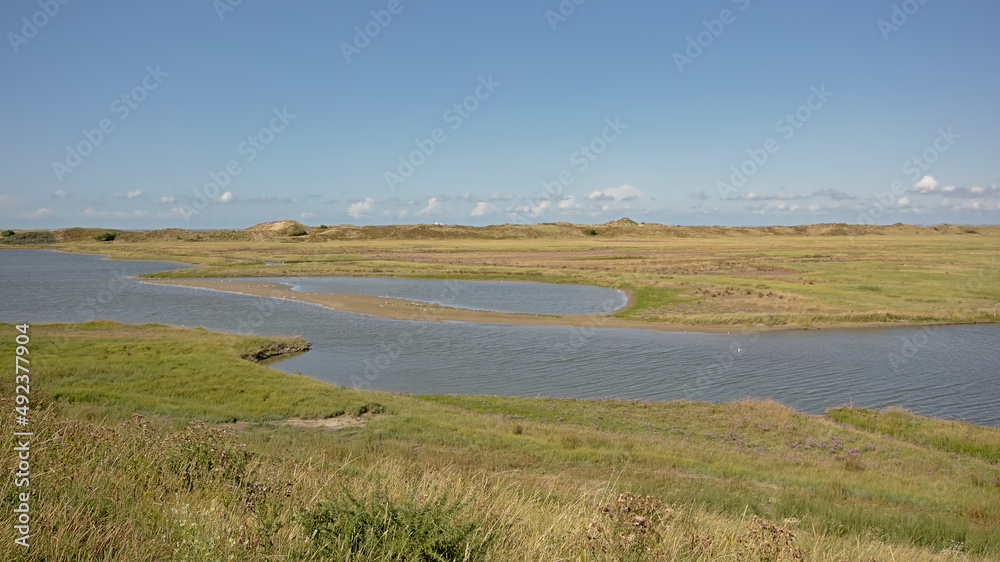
132	461
379	527
148	369
807	276
949	436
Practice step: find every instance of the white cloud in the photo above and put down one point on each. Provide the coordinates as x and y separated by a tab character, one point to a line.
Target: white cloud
785	207
10	200
780	197
903	201
361	207
534	211
37	213
568	203
399	214
835	194
174	212
433	205
482	208
306	215
134	194
60	194
623	193
226	197
499	196
167	199
926	184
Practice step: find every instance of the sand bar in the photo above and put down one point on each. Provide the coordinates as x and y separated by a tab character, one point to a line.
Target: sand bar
403	309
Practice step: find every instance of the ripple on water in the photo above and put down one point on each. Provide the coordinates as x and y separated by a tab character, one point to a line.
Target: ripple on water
953	374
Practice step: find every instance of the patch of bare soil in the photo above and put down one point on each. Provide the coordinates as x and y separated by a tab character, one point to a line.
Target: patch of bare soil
338	422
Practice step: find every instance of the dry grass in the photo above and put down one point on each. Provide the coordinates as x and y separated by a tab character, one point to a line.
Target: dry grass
806	276
499	478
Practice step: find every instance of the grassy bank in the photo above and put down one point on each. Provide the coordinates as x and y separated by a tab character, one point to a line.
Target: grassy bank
806	276
158	443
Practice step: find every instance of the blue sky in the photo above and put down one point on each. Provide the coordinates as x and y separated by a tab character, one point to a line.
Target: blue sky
205	114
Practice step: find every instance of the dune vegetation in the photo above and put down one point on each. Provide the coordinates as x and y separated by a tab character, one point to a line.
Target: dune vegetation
162	443
814	275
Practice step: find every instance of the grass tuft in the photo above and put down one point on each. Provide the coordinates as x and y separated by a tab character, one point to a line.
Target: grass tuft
141	460
377	527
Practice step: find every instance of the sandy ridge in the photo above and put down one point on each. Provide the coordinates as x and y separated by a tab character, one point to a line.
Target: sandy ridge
402	309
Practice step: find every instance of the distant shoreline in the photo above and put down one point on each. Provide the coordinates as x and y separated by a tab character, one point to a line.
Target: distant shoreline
403	309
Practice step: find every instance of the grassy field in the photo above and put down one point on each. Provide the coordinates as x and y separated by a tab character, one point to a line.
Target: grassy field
163	443
803	276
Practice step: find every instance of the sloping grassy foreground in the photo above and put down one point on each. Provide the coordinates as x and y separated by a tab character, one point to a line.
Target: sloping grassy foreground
460	477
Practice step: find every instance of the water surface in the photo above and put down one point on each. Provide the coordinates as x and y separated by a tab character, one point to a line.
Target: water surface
948	371
496	296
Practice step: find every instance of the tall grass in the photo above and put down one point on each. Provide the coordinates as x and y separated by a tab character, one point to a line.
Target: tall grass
949	436
463	477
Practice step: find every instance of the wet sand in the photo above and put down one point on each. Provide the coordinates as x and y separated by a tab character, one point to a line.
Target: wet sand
403	309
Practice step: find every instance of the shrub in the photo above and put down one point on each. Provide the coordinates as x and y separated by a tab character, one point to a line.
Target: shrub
321	227
376	527
630	529
105	236
29	238
590	232
297	231
7	233
766	541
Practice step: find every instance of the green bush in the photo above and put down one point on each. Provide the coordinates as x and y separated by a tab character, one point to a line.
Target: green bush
105	236
29	238
321	227
297	232
7	233
376	527
590	232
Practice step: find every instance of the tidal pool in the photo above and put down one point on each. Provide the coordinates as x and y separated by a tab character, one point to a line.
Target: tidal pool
945	371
